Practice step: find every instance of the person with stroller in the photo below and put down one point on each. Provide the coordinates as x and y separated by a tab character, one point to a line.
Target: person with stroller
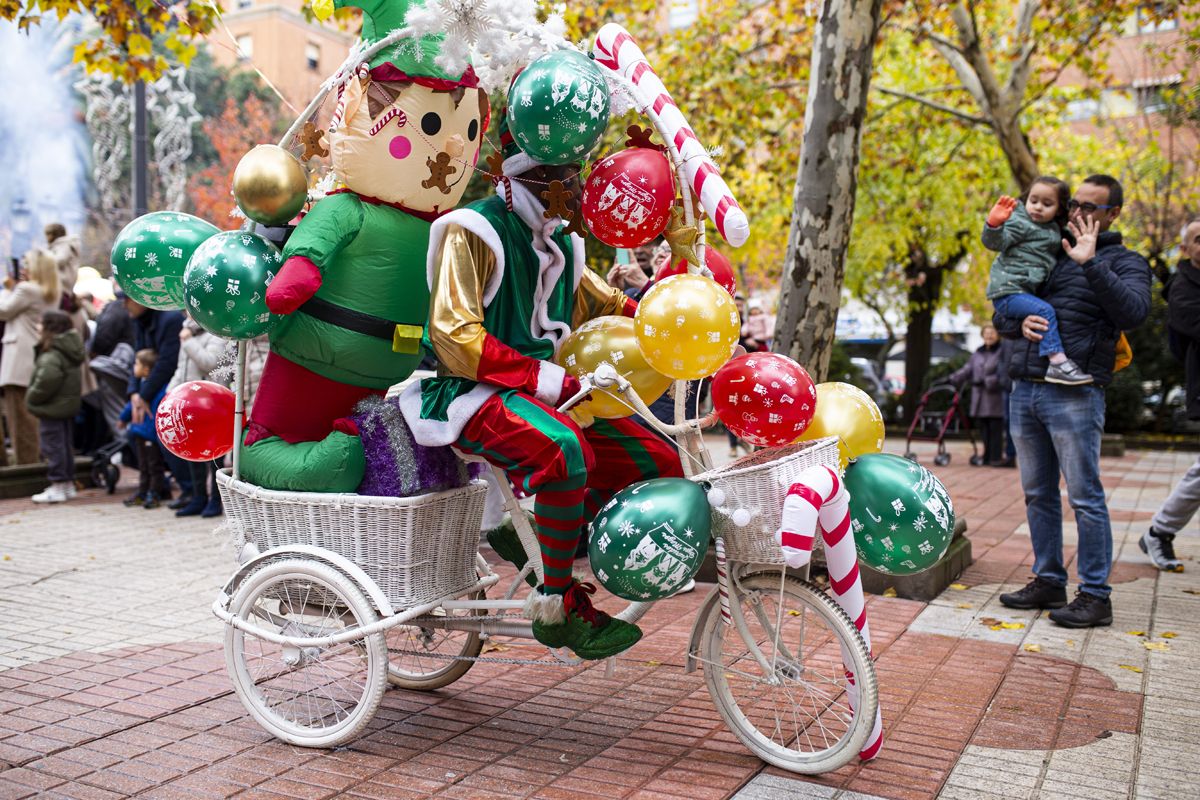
158	331
200	352
986	373
54	397
152	477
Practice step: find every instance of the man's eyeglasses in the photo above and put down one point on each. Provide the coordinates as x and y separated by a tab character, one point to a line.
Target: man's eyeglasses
1087	208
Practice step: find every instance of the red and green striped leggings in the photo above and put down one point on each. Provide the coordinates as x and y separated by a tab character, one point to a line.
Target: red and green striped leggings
572	471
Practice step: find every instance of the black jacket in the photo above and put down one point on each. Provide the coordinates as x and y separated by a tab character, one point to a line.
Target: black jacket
157	331
1094	302
113	326
1183	320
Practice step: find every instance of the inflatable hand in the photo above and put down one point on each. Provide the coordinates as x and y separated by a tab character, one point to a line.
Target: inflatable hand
296	283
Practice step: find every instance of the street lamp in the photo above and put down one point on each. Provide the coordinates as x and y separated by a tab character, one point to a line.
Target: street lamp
22	220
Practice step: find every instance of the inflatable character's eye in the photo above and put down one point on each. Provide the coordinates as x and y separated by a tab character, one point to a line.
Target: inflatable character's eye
431	123
473	129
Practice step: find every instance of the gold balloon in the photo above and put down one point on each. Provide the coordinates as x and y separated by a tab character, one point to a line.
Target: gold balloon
849	413
610	339
270	185
687	326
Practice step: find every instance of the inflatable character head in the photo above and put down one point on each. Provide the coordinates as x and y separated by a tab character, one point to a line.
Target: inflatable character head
411	132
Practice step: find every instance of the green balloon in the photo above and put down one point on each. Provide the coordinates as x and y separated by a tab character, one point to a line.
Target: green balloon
226	284
901	515
151	254
650	538
558	107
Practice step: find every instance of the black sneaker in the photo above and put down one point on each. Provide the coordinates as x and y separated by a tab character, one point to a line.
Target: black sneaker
179	502
1067	373
1085	611
1161	549
152	501
134	500
1038	593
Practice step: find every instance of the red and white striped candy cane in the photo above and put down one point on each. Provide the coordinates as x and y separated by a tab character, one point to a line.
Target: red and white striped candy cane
818	496
616	50
339	110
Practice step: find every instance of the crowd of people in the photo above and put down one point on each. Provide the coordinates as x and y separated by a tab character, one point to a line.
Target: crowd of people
78	374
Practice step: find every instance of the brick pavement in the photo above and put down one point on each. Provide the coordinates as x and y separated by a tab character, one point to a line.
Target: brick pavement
112	682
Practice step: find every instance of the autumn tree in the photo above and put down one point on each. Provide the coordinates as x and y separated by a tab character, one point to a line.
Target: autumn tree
239	128
121	40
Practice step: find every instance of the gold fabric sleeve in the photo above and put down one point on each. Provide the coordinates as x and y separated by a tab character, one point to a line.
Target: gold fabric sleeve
465	265
595	298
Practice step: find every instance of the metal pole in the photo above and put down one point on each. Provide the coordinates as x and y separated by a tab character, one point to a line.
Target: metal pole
239	407
140	160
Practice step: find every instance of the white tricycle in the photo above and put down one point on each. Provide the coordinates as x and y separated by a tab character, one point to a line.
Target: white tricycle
338	595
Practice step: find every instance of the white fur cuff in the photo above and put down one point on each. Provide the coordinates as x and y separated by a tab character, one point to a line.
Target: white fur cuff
549	382
545	608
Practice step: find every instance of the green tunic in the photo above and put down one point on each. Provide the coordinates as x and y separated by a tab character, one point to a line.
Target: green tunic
372	260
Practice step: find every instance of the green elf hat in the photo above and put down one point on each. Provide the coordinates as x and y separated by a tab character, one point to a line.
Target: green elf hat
410	59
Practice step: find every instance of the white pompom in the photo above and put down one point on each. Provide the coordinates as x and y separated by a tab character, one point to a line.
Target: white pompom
741	517
716	497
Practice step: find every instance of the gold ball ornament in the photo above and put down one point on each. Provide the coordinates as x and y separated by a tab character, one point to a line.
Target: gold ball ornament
849	413
270	185
687	326
612	340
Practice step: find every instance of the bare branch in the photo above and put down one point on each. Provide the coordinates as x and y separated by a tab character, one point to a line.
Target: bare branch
945	109
964	71
1018	79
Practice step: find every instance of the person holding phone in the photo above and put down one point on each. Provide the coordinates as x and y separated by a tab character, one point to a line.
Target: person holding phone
21	305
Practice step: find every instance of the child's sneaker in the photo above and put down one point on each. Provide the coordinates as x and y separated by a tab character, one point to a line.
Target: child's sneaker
152	501
53	494
69	490
134	500
1067	373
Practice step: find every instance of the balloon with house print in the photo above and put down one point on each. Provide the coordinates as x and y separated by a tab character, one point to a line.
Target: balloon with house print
900	513
558	107
195	421
225	286
151	254
650	538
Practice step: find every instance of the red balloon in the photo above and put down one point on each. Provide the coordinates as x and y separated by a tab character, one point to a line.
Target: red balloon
765	398
628	196
718	264
195	421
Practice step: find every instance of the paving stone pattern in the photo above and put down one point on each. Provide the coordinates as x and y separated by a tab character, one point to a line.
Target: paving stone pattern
112	681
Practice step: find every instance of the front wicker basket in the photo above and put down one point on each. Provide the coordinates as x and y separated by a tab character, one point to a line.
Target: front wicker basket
758	483
417	549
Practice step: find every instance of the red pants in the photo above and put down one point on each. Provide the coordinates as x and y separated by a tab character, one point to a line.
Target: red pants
298	405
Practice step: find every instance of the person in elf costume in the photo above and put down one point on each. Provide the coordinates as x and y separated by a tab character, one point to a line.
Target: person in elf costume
508	285
352	288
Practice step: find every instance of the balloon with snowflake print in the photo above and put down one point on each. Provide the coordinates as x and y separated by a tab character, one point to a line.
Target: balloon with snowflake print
849	413
195	420
226	282
610	340
558	107
765	398
628	196
687	326
900	513
151	254
650	538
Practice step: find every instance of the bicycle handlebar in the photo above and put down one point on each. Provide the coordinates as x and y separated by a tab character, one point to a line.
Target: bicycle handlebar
606	377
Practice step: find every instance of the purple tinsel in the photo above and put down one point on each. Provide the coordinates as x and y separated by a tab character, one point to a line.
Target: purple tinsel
396	465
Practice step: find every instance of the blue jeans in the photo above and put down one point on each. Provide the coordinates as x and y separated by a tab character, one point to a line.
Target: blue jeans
1020	306
1058	428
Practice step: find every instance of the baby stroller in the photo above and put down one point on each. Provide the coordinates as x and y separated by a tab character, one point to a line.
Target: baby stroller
106	463
935	423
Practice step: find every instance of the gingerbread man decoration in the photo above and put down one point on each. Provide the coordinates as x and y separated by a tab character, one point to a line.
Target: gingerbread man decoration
311	137
640	137
495	164
439	170
557	199
575	223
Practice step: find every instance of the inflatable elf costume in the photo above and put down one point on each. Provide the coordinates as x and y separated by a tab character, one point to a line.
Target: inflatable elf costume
507	286
404	139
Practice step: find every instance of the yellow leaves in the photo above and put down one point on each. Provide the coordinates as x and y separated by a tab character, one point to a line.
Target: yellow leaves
653	663
958	587
139	45
1169	635
1158	647
964	605
491	646
1136	633
1032	648
889	591
1001	625
1131	668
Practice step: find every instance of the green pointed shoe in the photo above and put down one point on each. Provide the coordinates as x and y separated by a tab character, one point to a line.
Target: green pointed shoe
570	621
507	544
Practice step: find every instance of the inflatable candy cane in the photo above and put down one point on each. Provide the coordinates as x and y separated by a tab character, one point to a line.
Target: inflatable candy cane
818	496
615	49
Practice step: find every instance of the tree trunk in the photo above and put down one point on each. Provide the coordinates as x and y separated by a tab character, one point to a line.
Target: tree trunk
823	200
1017	150
924	293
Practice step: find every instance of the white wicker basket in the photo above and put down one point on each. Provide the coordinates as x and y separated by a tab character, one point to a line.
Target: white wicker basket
417	549
758	483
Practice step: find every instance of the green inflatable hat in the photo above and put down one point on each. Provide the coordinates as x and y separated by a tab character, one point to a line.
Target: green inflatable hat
408	59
